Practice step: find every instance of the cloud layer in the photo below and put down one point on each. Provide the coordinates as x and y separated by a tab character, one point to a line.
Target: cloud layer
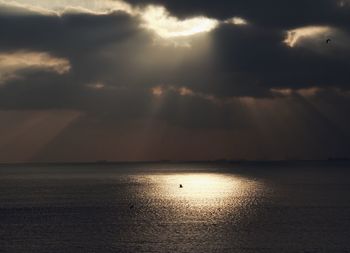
211	66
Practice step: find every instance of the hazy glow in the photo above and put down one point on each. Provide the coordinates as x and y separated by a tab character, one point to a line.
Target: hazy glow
183	91
31	131
236	21
293	36
157	91
343	3
11	63
159	20
96	86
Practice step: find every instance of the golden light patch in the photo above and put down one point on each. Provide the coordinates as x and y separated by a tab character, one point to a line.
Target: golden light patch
204	189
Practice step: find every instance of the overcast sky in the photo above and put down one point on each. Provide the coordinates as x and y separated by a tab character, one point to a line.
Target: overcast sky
86	80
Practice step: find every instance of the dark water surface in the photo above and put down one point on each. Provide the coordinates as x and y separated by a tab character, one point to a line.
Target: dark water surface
221	208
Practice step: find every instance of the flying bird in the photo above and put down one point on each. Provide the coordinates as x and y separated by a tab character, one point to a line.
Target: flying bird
328	41
131	207
181	186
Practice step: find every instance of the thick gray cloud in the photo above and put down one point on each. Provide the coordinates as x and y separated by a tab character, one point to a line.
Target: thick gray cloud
67	35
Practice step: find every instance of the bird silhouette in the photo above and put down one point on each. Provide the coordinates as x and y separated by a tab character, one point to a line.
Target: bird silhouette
180	186
328	41
131	206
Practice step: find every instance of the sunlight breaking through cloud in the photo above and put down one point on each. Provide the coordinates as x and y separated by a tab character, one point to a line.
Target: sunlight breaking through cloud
154	17
293	36
160	21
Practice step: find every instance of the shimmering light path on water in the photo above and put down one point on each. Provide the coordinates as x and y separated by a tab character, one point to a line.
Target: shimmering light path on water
299	208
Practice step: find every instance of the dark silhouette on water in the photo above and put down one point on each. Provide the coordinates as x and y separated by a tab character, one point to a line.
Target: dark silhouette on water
181	186
328	41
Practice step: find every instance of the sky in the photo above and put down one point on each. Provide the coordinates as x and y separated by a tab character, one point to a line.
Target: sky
87	80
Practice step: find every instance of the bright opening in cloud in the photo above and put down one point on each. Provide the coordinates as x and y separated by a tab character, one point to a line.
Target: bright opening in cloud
293	36
12	63
158	19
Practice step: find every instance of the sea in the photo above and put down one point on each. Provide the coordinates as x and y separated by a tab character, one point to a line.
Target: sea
140	207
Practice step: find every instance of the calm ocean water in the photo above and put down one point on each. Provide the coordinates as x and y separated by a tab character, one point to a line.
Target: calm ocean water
141	208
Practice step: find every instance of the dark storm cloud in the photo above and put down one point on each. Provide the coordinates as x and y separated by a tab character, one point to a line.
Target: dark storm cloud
281	14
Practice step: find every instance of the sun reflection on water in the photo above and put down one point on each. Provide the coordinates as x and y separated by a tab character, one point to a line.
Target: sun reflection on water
202	190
